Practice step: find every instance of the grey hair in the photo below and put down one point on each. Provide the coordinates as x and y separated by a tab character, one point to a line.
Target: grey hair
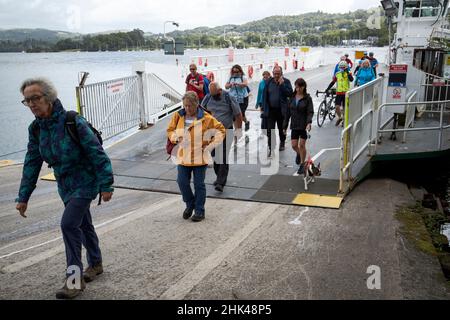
192	97
48	89
215	84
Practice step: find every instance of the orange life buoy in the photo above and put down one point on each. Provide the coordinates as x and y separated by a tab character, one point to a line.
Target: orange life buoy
250	72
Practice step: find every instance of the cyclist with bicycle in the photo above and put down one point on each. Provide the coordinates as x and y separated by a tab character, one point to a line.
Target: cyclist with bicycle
342	79
326	107
300	111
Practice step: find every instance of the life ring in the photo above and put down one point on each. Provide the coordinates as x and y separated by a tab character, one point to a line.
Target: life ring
250	72
210	76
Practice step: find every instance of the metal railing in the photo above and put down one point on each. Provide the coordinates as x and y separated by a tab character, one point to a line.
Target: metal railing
111	106
410	115
160	98
440	128
116	106
345	164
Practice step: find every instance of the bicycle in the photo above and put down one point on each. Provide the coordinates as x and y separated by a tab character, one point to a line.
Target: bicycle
326	107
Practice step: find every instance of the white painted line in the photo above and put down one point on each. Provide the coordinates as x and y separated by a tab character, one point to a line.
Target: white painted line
180	289
103	228
30	248
322	152
297	221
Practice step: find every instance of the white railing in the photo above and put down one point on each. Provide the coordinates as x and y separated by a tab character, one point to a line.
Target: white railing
116	106
429	126
111	106
410	114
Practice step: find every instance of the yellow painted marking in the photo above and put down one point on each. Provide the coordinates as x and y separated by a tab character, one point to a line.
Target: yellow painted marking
5	163
49	177
317	200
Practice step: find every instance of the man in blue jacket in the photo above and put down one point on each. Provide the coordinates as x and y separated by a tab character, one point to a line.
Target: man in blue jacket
277	93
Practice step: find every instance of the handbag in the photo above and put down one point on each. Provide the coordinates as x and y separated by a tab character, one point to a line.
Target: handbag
169	147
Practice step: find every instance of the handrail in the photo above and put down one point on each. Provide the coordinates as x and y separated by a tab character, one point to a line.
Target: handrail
344	167
410	104
358	154
409	119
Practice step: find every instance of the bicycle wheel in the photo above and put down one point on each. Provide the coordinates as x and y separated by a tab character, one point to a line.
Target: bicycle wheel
331	110
321	113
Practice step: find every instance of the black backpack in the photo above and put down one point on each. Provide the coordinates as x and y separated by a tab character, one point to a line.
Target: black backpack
70	124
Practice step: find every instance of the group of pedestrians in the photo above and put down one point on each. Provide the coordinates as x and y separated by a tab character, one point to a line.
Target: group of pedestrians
203	131
215	119
364	72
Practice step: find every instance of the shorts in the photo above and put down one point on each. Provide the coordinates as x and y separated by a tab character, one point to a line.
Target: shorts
295	134
244	106
340	100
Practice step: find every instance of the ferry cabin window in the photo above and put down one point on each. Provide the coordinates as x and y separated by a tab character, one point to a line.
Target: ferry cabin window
420	8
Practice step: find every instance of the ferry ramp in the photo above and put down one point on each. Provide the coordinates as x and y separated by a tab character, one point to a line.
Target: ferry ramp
140	161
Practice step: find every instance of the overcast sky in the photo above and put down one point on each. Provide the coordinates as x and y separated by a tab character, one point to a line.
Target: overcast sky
87	16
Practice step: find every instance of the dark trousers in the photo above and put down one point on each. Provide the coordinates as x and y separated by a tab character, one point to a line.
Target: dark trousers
192	201
275	118
77	229
220	156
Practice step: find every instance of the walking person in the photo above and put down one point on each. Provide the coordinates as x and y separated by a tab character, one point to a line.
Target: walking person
300	113
343	78
82	170
365	74
237	85
195	82
191	128
373	63
277	93
259	100
226	110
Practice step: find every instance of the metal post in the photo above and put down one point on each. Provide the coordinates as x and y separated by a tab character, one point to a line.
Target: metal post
143	121
82	77
441	122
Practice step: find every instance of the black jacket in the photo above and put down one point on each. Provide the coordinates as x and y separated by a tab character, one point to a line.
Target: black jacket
300	114
285	94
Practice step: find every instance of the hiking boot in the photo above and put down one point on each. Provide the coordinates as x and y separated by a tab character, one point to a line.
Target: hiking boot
92	272
219	187
66	293
282	146
297	159
338	121
198	217
247	126
215	183
187	213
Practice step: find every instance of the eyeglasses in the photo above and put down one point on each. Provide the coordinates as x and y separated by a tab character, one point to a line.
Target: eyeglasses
34	99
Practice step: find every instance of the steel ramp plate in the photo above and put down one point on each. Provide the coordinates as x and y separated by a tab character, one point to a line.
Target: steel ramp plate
318	200
49	177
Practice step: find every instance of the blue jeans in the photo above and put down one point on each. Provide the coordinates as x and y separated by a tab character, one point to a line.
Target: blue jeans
77	229
192	201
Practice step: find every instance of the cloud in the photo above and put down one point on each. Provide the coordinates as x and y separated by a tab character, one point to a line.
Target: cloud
101	15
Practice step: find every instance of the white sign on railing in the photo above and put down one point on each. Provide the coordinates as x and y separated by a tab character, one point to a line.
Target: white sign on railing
115	88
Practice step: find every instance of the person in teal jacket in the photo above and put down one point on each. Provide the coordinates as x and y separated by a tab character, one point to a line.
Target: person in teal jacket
259	99
365	73
82	170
